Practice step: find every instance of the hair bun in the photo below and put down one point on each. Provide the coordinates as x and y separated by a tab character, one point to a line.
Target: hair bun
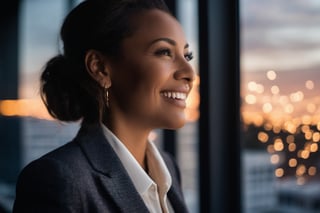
55	69
58	91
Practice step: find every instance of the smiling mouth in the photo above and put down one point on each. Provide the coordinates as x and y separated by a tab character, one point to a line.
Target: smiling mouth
175	95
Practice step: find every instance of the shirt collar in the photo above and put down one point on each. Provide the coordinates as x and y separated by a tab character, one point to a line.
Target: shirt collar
158	170
139	177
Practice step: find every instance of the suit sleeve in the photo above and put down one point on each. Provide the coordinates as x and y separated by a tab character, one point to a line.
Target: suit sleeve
46	185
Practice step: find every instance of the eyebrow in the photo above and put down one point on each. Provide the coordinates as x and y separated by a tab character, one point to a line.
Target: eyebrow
168	40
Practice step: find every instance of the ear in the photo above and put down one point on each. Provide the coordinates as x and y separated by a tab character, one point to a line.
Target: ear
97	67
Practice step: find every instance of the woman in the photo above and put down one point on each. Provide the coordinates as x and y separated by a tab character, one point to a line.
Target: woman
124	72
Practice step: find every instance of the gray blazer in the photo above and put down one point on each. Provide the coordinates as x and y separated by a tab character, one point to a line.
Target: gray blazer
85	176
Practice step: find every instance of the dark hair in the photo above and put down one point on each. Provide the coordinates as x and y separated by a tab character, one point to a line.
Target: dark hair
67	90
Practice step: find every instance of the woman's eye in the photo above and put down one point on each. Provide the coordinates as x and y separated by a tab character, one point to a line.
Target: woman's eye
164	52
189	56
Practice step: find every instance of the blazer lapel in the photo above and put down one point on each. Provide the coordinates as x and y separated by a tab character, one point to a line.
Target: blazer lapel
113	177
175	194
177	202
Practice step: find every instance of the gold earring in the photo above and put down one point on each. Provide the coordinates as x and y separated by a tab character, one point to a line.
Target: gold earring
107	95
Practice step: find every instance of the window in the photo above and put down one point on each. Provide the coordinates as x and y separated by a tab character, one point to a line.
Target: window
280	50
40	23
187	140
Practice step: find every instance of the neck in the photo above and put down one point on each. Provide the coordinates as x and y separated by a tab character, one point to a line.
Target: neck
134	138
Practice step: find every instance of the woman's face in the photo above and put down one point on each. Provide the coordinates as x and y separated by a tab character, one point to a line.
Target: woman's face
152	79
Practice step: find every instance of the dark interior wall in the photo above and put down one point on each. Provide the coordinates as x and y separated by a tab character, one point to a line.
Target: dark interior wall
9	126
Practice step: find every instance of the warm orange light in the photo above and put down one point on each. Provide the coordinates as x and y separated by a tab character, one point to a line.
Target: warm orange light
309	84
297	96
251	99
290	139
252	86
293	113
279	172
308	135
270	148
263	137
305	154
312	171
292	147
314	147
293	162
301	170
24	107
193	102
306	119
316	137
278	144
305	128
268	126
267	107
252	118
290	127
275	90
311	108
289	108
271	75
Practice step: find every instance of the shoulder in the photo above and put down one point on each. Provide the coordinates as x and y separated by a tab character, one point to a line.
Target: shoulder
66	153
52	178
66	159
52	165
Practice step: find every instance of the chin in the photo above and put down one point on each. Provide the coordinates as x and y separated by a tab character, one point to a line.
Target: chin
172	121
176	124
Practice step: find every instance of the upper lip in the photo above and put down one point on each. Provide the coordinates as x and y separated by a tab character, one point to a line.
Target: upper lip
182	89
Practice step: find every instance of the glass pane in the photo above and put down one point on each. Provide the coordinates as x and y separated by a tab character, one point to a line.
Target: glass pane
187	144
280	87
40	23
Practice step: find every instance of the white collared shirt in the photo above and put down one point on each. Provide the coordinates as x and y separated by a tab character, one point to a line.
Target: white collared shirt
152	188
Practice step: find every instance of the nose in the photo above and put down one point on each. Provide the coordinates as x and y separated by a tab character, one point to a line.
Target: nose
185	72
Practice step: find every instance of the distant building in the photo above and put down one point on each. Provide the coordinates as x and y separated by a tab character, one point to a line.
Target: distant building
294	198
264	193
259	182
37	138
41	136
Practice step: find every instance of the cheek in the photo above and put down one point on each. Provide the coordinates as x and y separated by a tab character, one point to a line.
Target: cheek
145	77
139	84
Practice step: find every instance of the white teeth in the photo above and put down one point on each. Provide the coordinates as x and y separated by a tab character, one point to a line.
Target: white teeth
175	95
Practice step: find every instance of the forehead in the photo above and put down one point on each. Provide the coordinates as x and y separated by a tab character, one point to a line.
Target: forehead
153	24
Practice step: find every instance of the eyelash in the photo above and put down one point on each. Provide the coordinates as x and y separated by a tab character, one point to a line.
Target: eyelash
167	52
189	56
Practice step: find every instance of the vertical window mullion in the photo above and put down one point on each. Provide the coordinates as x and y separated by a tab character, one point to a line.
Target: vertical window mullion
219	125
